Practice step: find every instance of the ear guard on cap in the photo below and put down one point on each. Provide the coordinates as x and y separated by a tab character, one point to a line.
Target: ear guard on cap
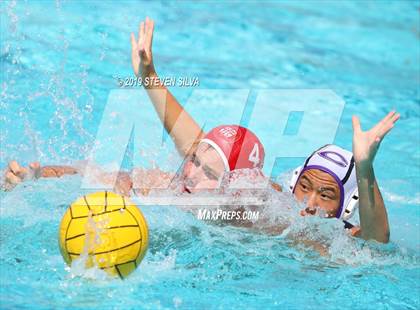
294	179
353	204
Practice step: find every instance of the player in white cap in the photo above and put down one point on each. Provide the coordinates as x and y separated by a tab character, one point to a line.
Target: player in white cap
331	180
337	181
326	181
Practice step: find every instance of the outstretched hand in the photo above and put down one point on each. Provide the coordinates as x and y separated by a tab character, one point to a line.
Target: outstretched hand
16	174
141	49
366	143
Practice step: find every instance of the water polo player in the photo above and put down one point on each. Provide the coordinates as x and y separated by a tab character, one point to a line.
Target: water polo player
224	149
337	181
327	180
209	156
333	182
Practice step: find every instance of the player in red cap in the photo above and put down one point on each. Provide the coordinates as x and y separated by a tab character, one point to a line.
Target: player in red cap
238	147
224	149
208	156
327	180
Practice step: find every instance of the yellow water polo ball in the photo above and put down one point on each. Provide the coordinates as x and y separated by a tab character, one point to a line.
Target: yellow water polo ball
107	230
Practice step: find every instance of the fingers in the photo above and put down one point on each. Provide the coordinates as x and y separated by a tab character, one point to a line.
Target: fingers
145	37
141	35
15	173
386	119
383	121
389	116
134	51
17	170
387	123
391	120
14	167
133	42
385	130
395	118
150	25
12	178
150	33
356	124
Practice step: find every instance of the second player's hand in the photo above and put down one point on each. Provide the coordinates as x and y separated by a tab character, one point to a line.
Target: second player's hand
366	143
141	49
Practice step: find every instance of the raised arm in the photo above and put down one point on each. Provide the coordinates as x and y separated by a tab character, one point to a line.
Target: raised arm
372	212
184	131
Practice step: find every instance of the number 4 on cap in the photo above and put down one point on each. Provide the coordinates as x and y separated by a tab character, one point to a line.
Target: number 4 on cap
254	156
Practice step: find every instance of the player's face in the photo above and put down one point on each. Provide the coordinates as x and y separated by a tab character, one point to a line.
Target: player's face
320	191
203	170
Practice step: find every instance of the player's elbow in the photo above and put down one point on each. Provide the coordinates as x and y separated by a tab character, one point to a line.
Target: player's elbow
383	237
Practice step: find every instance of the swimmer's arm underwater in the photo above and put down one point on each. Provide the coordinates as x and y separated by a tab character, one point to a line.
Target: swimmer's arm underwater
184	131
16	174
372	212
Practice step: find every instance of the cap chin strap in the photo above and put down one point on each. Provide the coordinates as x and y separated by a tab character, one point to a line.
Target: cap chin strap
348	210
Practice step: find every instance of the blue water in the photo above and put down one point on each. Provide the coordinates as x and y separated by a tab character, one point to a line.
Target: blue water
59	61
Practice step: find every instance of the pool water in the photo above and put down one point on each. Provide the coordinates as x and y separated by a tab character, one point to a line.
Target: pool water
61	59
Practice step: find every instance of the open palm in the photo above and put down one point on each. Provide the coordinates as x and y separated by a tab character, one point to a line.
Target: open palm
366	143
141	49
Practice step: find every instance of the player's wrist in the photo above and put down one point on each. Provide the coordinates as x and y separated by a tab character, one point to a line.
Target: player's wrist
364	169
33	172
148	71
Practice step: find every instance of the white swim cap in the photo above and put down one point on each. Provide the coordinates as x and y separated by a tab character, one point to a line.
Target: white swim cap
339	163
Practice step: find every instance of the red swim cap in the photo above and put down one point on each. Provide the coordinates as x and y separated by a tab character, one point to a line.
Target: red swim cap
238	147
